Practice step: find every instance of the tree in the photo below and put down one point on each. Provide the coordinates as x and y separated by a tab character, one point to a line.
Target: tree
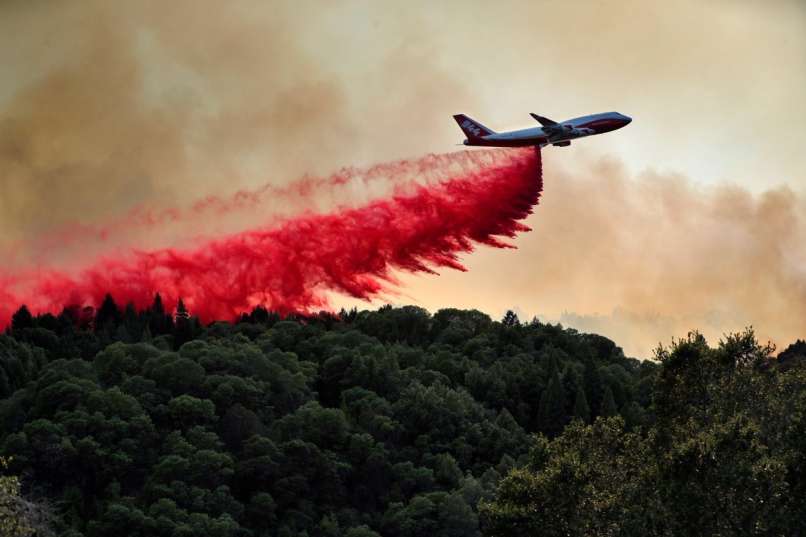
718	462
609	407
592	383
447	472
551	412
188	410
132	323
185	327
510	319
108	316
159	322
581	409
587	481
181	310
239	424
22	319
794	355
20	517
457	519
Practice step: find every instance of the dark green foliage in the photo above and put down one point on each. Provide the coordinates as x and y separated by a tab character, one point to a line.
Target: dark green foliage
581	409
22	319
108	315
159	321
794	355
592	382
510	319
552	415
393	422
609	408
724	457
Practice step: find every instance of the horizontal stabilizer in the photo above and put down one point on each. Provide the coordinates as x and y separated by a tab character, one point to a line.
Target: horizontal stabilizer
546	122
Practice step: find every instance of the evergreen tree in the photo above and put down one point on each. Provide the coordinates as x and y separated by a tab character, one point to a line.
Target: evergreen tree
107	317
592	383
22	319
581	408
131	321
181	310
158	321
551	412
259	315
185	327
67	319
86	318
447	472
457	519
510	319
20	517
609	407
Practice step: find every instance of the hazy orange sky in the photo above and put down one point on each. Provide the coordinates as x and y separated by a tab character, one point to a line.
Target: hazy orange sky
691	217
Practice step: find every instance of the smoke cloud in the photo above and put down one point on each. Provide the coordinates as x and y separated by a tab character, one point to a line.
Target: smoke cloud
645	258
671	257
111	110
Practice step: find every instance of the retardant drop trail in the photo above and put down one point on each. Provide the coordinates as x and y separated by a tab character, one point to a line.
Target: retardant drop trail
288	268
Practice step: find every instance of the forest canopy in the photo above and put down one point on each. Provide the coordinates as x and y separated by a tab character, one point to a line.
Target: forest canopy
394	422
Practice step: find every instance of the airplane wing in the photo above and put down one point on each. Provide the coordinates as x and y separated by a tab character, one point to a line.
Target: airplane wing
551	127
546	122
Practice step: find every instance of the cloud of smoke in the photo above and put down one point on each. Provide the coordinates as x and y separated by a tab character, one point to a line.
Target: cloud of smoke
669	256
645	258
290	267
147	107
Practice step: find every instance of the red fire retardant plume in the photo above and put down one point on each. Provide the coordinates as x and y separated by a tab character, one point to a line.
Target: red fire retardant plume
288	268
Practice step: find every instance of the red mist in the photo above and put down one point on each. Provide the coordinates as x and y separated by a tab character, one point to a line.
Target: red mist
288	267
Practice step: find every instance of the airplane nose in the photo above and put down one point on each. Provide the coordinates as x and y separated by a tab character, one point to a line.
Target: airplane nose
627	119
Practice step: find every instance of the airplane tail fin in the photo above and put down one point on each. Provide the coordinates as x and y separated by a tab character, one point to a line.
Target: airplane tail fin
472	128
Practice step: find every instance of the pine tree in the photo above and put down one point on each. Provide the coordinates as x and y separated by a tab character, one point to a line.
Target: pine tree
609	407
132	322
107	317
159	322
510	319
184	327
592	383
551	412
259	315
181	310
22	319
581	409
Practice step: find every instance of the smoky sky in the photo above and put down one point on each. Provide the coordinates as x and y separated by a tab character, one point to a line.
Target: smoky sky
645	258
110	107
688	218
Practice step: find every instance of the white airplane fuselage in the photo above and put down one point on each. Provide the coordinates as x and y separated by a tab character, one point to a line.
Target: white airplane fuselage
551	133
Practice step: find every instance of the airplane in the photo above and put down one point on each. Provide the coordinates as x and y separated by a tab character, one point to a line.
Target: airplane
550	132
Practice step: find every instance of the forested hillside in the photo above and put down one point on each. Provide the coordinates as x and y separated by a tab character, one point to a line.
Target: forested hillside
392	422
